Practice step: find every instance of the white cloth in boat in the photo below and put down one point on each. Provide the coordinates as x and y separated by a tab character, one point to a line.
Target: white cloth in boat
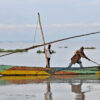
48	53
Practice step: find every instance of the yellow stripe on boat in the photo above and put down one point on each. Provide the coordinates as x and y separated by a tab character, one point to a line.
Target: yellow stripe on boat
23	72
98	73
24	77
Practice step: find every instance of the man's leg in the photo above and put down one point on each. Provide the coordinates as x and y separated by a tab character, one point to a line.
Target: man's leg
80	63
69	66
49	62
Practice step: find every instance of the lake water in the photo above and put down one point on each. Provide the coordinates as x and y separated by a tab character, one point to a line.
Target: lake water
54	87
44	88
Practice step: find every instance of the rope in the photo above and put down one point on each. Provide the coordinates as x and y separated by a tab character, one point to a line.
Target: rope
35	33
35	46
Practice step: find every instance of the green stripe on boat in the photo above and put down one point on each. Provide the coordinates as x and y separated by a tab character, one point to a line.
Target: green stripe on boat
5	67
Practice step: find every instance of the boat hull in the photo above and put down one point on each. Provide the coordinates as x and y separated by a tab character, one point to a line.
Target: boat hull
8	70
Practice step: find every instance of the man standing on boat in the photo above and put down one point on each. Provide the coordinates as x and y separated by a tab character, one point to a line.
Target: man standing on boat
48	50
77	57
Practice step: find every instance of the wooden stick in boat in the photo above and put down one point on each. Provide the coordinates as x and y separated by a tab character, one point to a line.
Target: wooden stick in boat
95	62
36	46
47	65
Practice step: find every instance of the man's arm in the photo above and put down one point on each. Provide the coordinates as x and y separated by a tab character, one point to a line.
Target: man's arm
84	56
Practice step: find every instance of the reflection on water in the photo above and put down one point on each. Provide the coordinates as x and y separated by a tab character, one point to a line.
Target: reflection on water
77	87
48	94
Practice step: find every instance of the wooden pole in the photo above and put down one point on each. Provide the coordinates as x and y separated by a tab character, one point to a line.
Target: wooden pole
36	46
94	62
47	66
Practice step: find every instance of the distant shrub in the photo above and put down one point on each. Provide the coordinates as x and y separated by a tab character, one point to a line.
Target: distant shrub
16	50
62	47
40	51
65	47
90	48
53	51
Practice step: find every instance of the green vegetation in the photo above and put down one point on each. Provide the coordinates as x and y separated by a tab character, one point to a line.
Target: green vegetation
90	48
65	47
62	47
16	50
40	51
53	51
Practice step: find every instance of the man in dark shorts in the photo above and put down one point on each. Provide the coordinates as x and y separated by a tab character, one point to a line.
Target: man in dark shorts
77	57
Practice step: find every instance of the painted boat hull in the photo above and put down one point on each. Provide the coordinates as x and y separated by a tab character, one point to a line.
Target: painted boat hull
8	70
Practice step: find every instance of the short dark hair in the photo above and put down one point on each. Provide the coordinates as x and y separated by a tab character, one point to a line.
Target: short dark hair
82	47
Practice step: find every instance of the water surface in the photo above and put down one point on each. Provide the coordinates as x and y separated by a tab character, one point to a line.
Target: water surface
49	88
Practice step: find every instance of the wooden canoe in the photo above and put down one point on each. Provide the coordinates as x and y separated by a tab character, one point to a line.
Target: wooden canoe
8	70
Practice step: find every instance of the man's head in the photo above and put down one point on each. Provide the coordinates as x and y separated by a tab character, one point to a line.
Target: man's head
82	48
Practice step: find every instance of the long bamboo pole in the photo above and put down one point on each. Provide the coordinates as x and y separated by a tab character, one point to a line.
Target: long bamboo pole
68	38
47	65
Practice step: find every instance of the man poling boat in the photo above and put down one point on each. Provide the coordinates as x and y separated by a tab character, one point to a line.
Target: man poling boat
77	58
